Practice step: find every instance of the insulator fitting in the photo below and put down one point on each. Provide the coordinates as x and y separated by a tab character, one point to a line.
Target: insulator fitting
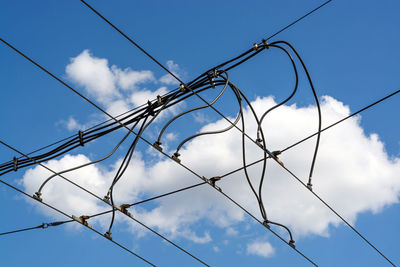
182	87
157	145
176	157
255	46
80	135
37	196
82	220
212	181
15	159
123	208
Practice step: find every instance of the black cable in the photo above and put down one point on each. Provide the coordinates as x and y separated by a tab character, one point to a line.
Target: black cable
42	226
65	214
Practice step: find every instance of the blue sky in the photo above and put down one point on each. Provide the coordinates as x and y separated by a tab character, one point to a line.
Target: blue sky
351	51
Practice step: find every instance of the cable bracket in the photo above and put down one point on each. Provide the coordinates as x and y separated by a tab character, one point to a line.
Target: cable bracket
37	196
275	154
157	145
176	157
106	199
124	209
108	235
150	108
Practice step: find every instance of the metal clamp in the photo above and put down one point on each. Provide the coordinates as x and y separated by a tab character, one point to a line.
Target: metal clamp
212	181
291	243
82	220
182	87
123	208
255	46
150	108
15	159
265	43
265	223
80	135
108	235
159	100
37	196
106	199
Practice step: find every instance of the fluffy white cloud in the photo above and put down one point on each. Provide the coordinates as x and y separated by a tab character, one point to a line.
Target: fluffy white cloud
176	70
259	248
353	173
117	89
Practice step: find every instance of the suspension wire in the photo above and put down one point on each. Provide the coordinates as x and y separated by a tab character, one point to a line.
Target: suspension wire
134	219
297	20
42	226
72	218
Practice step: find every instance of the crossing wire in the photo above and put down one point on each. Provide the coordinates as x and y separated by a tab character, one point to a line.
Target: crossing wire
292	174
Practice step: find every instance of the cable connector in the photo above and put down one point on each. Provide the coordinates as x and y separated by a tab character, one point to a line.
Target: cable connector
15	159
182	87
265	43
157	145
211	75
82	220
37	196
275	154
291	243
309	185
176	157
212	181
159	100
123	208
80	135
255	46
106	199
108	235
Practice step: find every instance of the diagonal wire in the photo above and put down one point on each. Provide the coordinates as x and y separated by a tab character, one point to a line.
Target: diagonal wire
134	219
270	154
65	214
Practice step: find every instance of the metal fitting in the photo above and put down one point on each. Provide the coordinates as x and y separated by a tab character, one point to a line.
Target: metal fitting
176	157
37	196
157	145
80	135
255	46
15	163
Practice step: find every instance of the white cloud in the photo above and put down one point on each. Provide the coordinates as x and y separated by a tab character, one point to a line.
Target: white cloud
230	231
259	248
353	173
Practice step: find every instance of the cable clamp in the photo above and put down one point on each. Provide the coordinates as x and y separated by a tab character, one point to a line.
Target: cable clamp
176	157
309	185
82	220
212	181
108	235
80	135
37	196
265	43
15	159
265	223
182	87
150	108
159	100
275	154
211	75
157	145
44	225
106	199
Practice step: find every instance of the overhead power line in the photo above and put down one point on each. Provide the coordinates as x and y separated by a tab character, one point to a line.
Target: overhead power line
42	226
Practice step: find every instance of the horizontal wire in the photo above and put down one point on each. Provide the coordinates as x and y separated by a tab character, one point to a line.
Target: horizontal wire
42	226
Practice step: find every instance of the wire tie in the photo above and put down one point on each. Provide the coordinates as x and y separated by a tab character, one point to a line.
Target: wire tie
157	145
255	46
265	43
159	100
15	163
176	157
37	196
80	134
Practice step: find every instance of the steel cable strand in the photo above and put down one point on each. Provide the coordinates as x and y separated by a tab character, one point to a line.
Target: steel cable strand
158	142
309	184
